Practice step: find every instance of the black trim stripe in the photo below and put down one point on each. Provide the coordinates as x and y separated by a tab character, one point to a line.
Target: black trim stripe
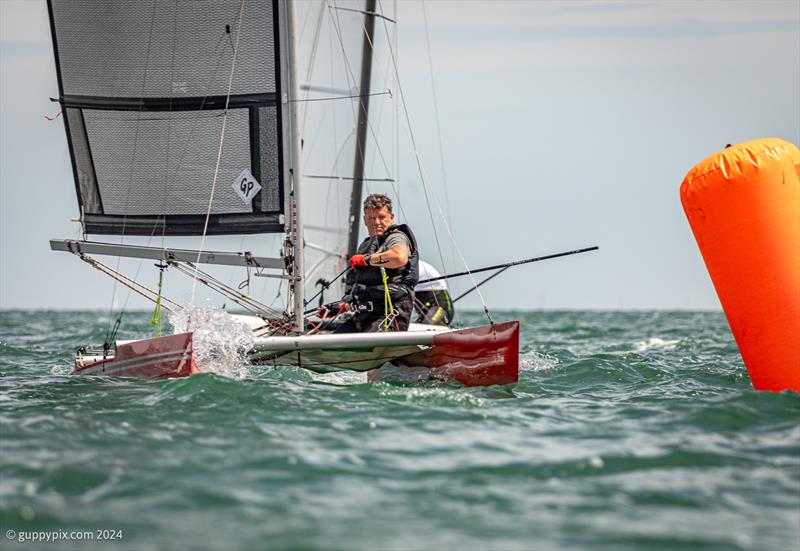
276	6
255	154
91	162
183	224
64	117
197	103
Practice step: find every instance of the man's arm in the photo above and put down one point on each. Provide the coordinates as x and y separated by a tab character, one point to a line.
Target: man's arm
395	257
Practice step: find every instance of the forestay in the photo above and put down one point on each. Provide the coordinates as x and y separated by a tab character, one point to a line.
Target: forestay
144	85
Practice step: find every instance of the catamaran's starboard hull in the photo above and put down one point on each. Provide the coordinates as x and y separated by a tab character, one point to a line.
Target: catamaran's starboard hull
156	358
478	356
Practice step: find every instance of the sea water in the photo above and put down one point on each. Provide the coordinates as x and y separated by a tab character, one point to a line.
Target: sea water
627	431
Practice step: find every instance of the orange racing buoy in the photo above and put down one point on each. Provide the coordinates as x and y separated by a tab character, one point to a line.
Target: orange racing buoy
743	204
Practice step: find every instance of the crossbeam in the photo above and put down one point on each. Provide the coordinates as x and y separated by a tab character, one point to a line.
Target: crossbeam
167	255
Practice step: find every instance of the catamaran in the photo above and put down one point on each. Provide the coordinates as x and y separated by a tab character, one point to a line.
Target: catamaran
186	119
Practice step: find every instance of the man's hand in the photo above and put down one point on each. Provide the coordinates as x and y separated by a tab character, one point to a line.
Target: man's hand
333	309
323	312
358	260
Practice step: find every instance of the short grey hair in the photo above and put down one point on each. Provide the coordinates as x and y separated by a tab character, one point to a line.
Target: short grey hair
377	201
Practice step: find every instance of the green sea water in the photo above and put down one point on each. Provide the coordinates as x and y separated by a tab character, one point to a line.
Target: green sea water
626	431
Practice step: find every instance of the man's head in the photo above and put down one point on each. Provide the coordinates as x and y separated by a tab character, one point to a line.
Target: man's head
378	214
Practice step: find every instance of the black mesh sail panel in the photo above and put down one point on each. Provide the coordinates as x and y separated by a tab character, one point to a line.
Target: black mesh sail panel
144	85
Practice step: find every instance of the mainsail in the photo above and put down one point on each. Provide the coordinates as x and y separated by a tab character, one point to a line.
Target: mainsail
144	87
154	92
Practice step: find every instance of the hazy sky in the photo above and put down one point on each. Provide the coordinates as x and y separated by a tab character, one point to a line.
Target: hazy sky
564	125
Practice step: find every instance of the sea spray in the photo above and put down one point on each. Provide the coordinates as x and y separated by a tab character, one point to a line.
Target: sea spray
220	342
537	361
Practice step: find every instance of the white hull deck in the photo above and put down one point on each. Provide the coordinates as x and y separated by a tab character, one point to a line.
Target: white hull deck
349	351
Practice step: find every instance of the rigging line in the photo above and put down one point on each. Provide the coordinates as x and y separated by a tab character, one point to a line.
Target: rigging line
321	177
326	286
199	114
384	93
422	178
468	291
218	286
380	123
513	263
169	121
141	118
305	21
364	12
414	147
396	118
153	117
183	155
369	123
221	142
352	82
185	149
313	59
352	77
124	280
436	117
133	161
207	277
335	167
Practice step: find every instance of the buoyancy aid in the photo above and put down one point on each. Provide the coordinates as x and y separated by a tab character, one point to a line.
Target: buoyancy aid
367	282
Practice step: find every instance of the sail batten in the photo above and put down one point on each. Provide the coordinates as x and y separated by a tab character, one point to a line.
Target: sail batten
196	103
144	88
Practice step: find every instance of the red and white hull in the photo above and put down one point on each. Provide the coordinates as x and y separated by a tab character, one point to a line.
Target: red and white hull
156	358
476	356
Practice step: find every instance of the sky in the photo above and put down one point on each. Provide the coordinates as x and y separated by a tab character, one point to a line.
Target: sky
563	125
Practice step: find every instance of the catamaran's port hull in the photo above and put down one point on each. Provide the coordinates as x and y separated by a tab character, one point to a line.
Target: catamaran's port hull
156	358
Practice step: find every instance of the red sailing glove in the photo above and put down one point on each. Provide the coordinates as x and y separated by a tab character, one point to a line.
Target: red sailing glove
358	260
343	307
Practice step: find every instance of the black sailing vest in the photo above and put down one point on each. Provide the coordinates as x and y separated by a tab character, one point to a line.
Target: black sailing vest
401	280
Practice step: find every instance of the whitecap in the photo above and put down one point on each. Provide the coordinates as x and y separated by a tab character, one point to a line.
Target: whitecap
655	342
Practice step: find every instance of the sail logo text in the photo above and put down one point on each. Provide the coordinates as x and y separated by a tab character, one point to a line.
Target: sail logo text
246	186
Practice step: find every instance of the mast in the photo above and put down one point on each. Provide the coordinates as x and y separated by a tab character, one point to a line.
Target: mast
296	227
363	126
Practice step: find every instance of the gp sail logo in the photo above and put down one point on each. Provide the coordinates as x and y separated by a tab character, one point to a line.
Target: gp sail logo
246	186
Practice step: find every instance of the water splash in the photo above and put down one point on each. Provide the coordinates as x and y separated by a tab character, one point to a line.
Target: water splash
536	361
655	342
220	342
340	377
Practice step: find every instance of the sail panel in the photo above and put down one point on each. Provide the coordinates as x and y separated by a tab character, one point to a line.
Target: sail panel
269	169
168	154
85	177
163	48
144	88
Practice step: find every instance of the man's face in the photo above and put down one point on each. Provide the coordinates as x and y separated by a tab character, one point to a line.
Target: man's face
378	220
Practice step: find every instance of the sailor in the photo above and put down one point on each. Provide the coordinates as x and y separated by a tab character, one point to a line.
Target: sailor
381	303
432	300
